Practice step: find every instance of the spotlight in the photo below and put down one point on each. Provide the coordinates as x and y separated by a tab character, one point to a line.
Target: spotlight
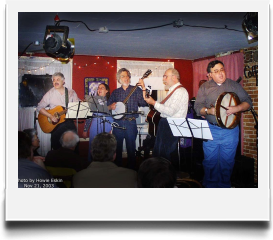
57	44
250	26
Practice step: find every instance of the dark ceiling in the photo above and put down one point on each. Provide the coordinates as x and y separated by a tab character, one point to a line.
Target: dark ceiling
168	42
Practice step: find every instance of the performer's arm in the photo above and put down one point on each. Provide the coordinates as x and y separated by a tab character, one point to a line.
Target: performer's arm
239	108
44	112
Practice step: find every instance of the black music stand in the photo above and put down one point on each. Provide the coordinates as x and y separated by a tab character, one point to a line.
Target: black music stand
187	127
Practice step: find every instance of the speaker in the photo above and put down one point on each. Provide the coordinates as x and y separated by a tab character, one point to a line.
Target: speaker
243	172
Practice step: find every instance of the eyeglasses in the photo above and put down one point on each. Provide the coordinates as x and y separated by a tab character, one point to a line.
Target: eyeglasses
218	71
165	76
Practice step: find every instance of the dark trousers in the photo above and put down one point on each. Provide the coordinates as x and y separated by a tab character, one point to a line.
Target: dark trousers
166	145
59	130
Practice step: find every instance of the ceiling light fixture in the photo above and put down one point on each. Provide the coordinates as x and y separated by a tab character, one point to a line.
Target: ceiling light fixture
57	44
250	26
103	30
36	43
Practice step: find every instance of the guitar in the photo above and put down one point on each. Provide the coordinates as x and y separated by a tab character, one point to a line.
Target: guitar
153	118
121	106
45	122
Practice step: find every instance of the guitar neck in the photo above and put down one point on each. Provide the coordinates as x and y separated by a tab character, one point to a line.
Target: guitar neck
130	94
146	74
63	112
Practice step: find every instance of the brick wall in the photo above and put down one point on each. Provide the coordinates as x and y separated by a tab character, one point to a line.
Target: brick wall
250	85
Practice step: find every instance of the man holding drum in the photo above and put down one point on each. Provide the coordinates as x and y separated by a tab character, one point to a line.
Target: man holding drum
219	153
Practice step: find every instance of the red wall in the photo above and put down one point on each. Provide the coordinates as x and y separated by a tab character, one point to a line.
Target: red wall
103	69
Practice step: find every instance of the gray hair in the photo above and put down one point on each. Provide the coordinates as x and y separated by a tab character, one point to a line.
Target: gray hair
103	147
69	141
31	132
123	70
58	74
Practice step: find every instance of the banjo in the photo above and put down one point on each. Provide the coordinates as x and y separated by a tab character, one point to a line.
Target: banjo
224	100
121	107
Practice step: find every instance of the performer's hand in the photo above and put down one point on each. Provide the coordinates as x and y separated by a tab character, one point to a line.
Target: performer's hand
231	110
53	119
141	83
113	106
212	111
84	135
150	100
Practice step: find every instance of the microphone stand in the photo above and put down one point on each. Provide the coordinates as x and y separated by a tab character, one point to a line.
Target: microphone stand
92	95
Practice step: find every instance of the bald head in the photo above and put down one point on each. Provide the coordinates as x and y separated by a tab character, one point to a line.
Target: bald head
69	139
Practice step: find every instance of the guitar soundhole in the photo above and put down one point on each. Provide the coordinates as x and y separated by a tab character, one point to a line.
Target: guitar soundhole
57	115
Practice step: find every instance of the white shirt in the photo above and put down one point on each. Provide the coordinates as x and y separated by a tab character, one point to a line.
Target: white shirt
177	105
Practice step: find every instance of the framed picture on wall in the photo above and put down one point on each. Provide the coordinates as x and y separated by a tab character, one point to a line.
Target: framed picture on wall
91	84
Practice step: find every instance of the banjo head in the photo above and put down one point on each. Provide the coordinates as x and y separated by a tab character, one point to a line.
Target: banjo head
227	99
120	109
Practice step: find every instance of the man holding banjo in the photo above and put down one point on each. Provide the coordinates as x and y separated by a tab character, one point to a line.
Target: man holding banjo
126	99
221	101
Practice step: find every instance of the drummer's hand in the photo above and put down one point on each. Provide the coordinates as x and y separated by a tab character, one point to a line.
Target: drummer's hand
113	106
231	110
211	111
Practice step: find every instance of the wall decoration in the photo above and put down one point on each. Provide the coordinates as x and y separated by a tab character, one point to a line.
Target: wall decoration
33	88
91	84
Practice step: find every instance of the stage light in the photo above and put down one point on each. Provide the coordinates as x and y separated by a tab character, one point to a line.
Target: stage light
250	26
57	44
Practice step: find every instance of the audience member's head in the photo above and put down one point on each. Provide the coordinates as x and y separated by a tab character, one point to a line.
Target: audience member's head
32	133
103	147
156	172
24	145
69	139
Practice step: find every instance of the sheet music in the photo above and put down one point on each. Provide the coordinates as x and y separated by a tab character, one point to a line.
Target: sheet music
83	112
182	127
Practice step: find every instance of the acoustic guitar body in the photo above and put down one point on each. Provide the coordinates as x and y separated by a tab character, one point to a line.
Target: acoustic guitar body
45	123
153	118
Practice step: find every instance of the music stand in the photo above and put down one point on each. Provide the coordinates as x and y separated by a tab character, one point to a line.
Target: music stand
76	110
187	127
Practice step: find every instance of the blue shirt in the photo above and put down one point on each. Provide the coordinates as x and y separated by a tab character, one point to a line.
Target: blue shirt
31	175
135	101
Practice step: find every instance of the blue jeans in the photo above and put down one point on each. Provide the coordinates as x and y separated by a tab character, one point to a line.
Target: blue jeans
219	156
129	135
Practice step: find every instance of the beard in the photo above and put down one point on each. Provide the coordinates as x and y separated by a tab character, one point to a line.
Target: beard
166	87
125	84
